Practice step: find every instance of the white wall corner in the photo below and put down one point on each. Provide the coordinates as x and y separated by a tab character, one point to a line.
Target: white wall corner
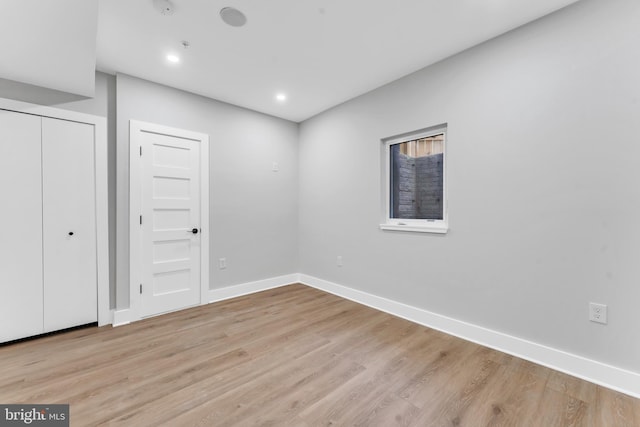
228	292
121	317
612	377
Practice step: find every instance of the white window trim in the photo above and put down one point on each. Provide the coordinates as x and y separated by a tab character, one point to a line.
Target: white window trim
414	225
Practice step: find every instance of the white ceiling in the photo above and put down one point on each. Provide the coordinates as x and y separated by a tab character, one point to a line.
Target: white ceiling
50	44
319	52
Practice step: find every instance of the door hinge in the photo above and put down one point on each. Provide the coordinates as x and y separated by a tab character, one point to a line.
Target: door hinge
140	219
140	288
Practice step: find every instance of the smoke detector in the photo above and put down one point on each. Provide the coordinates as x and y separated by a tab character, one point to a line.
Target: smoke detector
165	7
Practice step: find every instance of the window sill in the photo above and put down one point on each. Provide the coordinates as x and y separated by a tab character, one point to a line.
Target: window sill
432	228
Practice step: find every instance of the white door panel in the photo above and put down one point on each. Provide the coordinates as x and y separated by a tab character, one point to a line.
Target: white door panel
170	202
21	230
68	205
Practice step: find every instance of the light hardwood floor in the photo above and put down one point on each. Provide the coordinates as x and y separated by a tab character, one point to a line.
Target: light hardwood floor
295	356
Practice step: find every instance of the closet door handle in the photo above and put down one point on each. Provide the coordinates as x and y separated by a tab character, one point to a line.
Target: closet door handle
71	233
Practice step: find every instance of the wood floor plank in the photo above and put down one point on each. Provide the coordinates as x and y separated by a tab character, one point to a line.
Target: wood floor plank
560	409
389	411
280	399
511	396
615	409
430	383
573	386
295	356
345	402
454	401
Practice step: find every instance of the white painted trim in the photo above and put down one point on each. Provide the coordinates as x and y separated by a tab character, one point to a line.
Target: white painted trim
101	183
205	231
135	241
135	207
437	229
102	220
228	292
121	317
612	377
54	113
124	317
618	379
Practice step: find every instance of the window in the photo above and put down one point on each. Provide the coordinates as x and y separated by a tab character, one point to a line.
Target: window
415	182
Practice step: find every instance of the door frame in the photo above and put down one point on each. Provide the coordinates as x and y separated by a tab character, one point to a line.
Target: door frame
136	128
101	189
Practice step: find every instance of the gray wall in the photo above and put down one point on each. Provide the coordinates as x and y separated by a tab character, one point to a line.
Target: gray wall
253	210
542	175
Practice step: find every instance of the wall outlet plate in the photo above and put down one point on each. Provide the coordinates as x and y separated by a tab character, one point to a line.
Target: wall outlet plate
598	313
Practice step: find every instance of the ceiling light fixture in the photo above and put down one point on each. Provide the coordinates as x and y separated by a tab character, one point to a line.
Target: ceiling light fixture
233	16
281	97
165	7
173	58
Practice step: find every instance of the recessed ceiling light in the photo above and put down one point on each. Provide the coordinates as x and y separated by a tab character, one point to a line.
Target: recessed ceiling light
233	16
173	58
281	97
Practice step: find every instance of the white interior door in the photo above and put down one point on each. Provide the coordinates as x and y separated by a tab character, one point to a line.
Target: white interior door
170	223
69	224
21	231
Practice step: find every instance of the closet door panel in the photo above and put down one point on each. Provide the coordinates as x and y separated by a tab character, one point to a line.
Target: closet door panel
21	226
70	282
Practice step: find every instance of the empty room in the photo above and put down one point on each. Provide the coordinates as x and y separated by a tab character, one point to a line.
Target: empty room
322	212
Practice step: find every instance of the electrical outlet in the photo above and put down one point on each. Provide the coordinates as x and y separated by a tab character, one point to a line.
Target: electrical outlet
222	263
598	313
339	261
275	167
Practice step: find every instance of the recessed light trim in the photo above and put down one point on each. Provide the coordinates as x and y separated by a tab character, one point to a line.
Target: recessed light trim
233	16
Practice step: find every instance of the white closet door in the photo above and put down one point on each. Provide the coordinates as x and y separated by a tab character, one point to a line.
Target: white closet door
21	229
68	205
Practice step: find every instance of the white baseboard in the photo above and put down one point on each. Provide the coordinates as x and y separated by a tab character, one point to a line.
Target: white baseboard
621	380
618	379
221	294
121	317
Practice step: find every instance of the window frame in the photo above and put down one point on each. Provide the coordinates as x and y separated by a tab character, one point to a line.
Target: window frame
414	225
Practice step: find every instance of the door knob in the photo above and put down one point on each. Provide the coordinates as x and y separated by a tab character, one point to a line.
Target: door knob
71	233
194	231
